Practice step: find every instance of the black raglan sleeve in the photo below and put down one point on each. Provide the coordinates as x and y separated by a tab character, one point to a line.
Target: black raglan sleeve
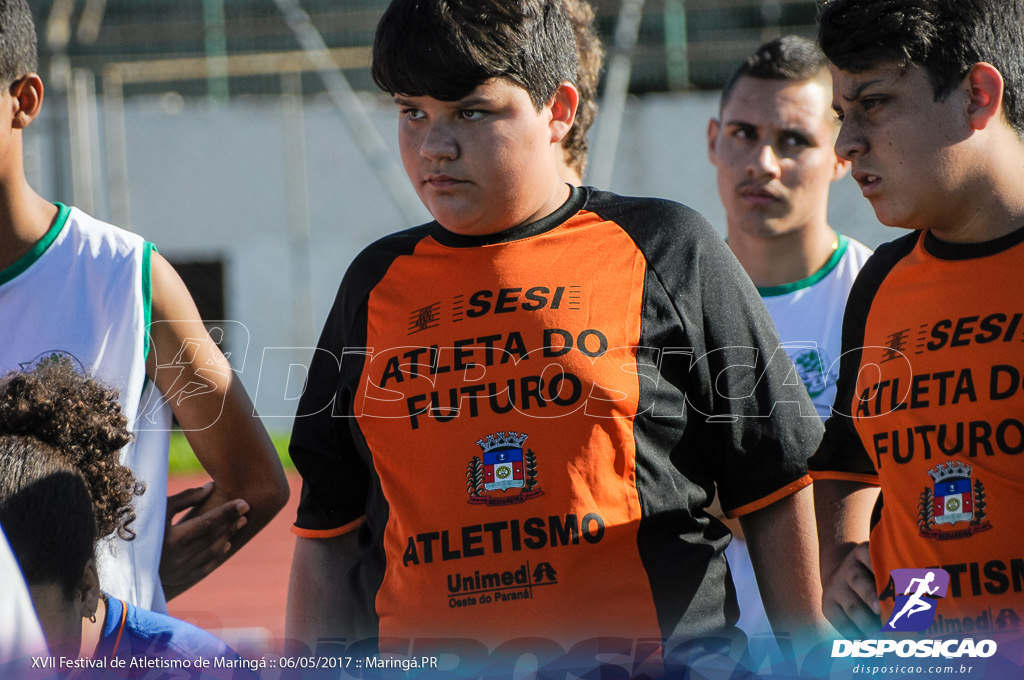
727	406
753	412
842	454
327	446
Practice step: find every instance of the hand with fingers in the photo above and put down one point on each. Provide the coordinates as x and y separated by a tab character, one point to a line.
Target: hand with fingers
199	541
850	598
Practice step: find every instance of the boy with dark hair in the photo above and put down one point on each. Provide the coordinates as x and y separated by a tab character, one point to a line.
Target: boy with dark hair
72	286
929	92
789	58
519	413
772	146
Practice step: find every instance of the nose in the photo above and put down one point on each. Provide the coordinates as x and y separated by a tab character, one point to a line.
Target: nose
849	143
764	162
439	142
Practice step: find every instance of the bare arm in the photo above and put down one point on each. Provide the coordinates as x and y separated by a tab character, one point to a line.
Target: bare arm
324	598
783	549
221	425
850	597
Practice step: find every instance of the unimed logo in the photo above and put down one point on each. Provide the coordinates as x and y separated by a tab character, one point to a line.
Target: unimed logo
916	592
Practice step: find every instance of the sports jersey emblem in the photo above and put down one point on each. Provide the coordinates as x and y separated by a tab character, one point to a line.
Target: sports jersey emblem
503	468
952	499
813	371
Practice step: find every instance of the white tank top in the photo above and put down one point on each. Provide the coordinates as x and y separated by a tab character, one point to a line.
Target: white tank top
83	292
809	317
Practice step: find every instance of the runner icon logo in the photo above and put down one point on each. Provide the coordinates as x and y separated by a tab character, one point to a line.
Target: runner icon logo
916	592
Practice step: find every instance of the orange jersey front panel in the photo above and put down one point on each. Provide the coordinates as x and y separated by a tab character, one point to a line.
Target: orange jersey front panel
518	386
939	409
521	434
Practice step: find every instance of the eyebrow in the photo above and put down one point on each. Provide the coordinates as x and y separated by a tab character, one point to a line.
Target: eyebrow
786	129
799	131
471	101
853	96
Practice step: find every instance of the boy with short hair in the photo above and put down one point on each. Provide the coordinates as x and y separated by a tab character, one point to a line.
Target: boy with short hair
73	286
772	146
518	413
930	95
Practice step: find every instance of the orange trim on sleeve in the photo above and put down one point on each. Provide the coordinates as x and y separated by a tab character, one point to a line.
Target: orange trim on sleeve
764	502
862	477
120	631
328	533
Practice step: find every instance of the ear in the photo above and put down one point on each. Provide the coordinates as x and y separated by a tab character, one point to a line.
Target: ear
985	94
713	127
27	96
88	594
563	110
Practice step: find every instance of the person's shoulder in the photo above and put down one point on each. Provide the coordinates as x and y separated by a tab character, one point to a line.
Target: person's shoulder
888	254
879	264
844	265
371	264
680	248
400	241
381	253
645	213
663	230
173	637
101	241
856	250
92	227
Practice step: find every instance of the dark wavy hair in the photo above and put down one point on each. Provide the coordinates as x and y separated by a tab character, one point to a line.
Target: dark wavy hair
446	48
944	37
81	419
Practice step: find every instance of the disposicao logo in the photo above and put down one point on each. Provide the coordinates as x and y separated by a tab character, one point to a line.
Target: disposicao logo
915	607
917	592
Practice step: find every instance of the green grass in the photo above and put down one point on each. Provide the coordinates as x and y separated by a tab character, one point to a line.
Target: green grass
183	461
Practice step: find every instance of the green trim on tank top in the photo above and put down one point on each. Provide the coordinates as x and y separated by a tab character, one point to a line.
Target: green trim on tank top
41	246
772	291
147	293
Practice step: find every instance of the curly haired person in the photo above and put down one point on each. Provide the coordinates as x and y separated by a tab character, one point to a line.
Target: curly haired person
62	488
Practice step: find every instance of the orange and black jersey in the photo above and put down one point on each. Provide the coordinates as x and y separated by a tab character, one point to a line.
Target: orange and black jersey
527	428
930	408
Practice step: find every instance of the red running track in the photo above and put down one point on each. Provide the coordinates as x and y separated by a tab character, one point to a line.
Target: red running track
243	601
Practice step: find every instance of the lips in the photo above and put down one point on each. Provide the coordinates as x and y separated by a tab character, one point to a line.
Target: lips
442	181
867	181
759	196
